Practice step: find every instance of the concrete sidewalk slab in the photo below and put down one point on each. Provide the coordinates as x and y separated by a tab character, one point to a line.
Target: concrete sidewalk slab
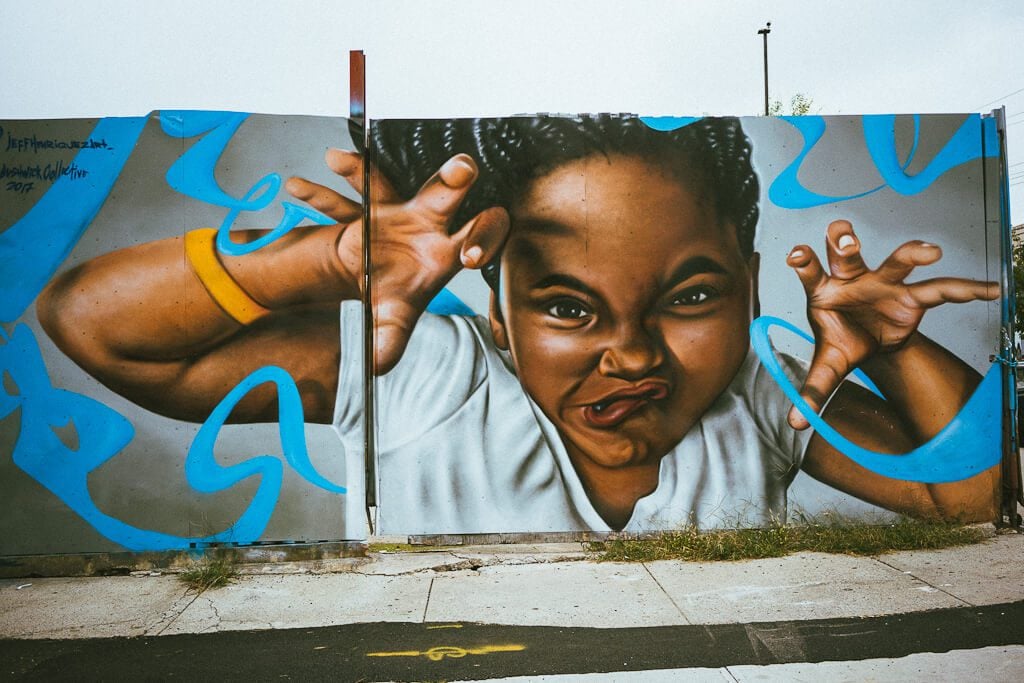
295	601
804	586
88	607
1004	664
507	586
566	594
985	574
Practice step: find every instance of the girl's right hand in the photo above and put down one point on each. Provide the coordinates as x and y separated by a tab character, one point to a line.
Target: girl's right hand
413	255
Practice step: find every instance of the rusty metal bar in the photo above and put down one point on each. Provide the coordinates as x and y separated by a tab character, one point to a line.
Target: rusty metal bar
357	114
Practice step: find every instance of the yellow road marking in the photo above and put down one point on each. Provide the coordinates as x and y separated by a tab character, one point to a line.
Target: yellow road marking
436	654
429	628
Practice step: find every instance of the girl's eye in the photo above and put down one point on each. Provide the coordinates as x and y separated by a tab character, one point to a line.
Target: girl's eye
694	296
569	310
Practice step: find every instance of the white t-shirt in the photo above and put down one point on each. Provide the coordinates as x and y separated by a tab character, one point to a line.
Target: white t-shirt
462	449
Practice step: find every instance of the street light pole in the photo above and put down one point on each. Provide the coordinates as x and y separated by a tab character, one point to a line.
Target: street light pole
764	33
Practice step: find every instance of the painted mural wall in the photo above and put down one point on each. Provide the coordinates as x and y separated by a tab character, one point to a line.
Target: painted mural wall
653	287
91	459
581	323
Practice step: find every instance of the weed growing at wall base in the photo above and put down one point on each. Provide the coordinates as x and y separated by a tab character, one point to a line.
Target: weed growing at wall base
779	540
208	574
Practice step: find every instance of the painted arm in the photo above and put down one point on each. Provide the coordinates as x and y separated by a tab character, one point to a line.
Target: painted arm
869	318
141	322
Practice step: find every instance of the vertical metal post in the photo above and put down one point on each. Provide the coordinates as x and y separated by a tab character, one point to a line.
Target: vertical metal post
764	34
357	86
1011	472
357	113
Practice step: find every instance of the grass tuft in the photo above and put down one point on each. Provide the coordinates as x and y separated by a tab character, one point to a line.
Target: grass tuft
208	574
838	537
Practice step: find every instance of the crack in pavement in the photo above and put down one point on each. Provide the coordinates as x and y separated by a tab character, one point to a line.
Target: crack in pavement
460	562
924	581
667	594
426	603
216	614
731	677
175	613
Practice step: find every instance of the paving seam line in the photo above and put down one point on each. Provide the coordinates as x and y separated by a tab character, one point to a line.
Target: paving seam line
180	612
728	673
667	595
927	583
426	604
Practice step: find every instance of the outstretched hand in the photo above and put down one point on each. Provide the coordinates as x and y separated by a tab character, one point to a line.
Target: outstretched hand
856	312
413	254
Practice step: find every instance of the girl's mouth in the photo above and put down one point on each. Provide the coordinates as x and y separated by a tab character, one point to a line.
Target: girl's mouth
612	410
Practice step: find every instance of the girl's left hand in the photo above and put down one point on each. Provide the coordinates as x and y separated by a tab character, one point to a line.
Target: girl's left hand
856	313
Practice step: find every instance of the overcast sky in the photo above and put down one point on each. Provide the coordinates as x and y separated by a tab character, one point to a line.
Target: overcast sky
462	57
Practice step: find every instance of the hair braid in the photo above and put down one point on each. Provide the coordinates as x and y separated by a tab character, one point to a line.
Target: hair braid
711	154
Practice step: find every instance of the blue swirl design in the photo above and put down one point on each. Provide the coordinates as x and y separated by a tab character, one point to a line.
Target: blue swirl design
668	123
103	433
205	475
969	444
965	145
446	303
194	175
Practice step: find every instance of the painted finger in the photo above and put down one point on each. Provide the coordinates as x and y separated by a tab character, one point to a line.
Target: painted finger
482	238
324	199
906	257
843	251
441	195
394	320
808	268
349	165
828	370
952	290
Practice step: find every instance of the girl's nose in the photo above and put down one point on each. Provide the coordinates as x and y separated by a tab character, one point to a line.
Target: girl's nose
632	354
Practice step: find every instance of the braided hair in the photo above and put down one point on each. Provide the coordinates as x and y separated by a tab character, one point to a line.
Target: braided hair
711	155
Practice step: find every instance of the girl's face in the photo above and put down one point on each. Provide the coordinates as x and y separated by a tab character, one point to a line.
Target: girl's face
625	304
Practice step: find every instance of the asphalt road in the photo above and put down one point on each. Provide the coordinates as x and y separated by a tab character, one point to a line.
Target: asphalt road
416	652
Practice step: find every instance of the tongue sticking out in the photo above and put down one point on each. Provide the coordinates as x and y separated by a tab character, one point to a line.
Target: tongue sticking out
609	414
614	409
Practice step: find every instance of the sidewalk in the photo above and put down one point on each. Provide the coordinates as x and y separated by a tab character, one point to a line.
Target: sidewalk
540	585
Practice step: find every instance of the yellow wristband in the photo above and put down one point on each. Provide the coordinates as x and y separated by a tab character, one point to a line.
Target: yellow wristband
201	251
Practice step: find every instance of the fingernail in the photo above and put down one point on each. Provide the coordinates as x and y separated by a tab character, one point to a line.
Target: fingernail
796	253
845	241
928	244
346	162
457	172
472	256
